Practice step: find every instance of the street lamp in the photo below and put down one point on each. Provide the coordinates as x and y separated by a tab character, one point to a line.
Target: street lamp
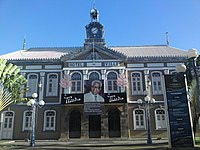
34	103
193	54
147	101
180	68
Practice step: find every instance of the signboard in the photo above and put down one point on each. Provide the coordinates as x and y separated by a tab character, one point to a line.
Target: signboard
75	64
93	108
115	98
111	64
72	99
180	129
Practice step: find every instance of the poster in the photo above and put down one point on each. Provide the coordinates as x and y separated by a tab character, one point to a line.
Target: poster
180	129
94	97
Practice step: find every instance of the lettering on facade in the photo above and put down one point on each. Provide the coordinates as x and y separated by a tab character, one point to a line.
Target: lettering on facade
71	99
76	64
114	98
109	64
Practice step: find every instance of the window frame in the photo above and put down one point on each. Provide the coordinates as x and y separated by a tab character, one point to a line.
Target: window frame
143	115
136	92
29	128
76	83
156	88
45	128
162	124
113	83
99	75
54	85
35	90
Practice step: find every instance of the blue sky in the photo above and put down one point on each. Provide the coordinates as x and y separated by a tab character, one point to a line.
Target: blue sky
61	23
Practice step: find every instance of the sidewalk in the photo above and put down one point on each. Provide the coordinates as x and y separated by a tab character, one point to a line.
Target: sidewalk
84	144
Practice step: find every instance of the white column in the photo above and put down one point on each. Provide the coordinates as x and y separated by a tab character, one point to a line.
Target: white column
41	84
67	90
146	77
122	71
23	86
85	74
103	74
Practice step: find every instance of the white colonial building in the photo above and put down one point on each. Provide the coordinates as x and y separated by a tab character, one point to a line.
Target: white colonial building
66	115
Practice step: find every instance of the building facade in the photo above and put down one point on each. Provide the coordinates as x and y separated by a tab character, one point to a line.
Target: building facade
66	75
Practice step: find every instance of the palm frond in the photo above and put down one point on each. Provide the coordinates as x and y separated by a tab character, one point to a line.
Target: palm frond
5	97
12	80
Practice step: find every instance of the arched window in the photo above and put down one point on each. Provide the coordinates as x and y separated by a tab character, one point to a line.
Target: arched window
32	83
76	82
136	81
139	119
49	120
27	118
160	119
156	83
94	76
111	82
52	84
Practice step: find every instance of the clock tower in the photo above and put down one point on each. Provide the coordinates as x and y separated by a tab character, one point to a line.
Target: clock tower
94	30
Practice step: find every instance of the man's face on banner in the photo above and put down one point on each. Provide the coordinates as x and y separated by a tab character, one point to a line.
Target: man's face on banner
96	88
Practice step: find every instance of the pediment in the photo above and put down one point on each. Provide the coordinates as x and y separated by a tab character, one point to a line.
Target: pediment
95	52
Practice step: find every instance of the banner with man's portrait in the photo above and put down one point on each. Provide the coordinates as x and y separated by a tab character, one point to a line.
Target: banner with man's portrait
93	97
93	91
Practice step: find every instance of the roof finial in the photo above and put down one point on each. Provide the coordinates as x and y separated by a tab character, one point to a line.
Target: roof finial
94	14
167	39
94	3
24	43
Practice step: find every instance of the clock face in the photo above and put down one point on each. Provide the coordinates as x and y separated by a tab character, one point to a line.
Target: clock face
94	30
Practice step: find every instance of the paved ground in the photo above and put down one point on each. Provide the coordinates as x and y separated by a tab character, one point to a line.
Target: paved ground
80	144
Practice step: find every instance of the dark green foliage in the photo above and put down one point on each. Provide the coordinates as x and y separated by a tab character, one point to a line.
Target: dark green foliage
12	80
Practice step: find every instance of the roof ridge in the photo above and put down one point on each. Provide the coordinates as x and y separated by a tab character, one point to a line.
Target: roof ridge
54	47
139	46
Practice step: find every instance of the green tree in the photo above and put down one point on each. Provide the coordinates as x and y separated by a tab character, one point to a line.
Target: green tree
194	104
5	97
12	82
194	94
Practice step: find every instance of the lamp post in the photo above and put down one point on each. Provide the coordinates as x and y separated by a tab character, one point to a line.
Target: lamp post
147	101
34	103
193	54
180	68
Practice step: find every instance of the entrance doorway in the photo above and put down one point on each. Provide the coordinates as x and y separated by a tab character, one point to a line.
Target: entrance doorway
75	124
114	123
7	125
95	126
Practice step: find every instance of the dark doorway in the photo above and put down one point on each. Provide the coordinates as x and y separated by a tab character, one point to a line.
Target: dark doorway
114	123
75	124
94	126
